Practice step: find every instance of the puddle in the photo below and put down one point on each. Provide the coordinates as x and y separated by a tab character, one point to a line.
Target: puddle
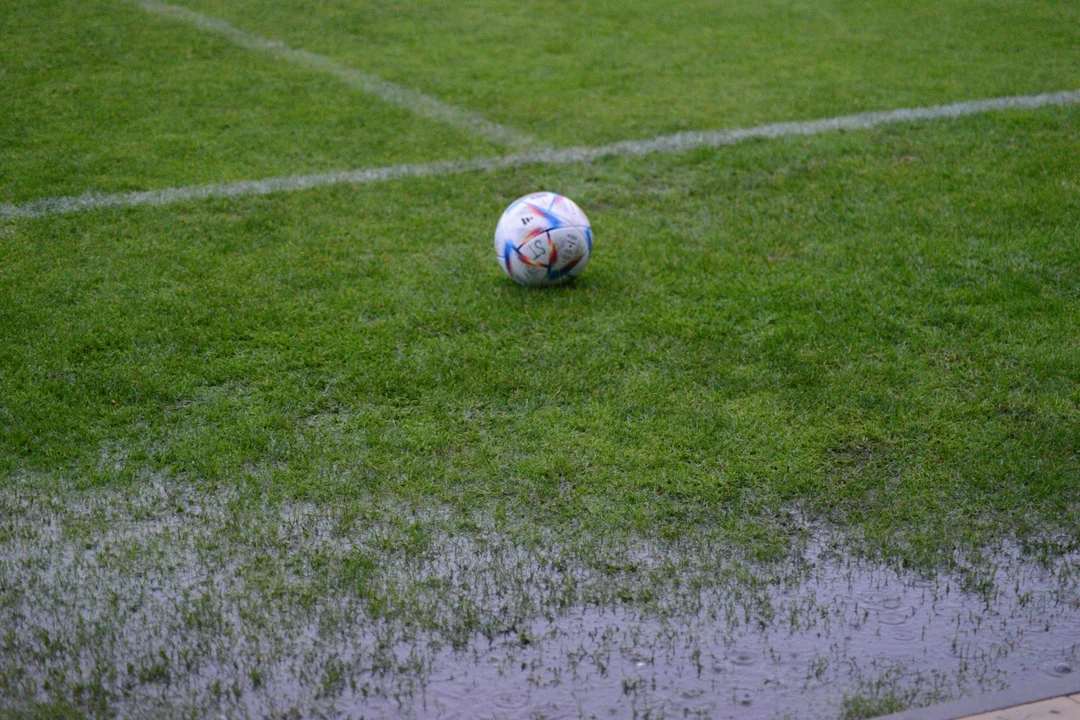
234	609
841	631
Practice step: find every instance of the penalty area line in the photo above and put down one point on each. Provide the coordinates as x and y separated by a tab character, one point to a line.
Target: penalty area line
676	143
417	102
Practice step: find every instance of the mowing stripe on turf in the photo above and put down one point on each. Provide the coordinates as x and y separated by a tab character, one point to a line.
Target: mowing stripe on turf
417	102
666	144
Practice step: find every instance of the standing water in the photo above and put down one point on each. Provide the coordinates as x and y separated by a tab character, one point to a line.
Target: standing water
166	601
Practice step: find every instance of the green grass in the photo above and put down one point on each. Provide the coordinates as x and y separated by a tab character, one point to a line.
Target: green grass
47	711
576	71
879	327
103	96
859	708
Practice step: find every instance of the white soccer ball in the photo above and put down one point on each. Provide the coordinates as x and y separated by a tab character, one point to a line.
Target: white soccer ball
543	239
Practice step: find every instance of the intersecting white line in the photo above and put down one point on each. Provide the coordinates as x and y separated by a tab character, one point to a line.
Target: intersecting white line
417	102
665	144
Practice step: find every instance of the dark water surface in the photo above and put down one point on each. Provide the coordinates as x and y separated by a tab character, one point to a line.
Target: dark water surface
161	603
850	629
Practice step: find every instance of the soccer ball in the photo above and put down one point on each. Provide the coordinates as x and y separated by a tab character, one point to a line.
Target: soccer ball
543	239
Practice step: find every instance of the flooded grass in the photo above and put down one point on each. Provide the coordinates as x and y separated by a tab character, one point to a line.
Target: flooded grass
169	600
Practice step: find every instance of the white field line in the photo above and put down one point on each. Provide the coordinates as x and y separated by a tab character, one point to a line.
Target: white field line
679	142
418	103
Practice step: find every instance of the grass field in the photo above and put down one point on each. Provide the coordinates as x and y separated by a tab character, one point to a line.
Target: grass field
228	422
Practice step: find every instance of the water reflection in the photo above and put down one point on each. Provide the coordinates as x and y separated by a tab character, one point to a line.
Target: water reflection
157	615
849	628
